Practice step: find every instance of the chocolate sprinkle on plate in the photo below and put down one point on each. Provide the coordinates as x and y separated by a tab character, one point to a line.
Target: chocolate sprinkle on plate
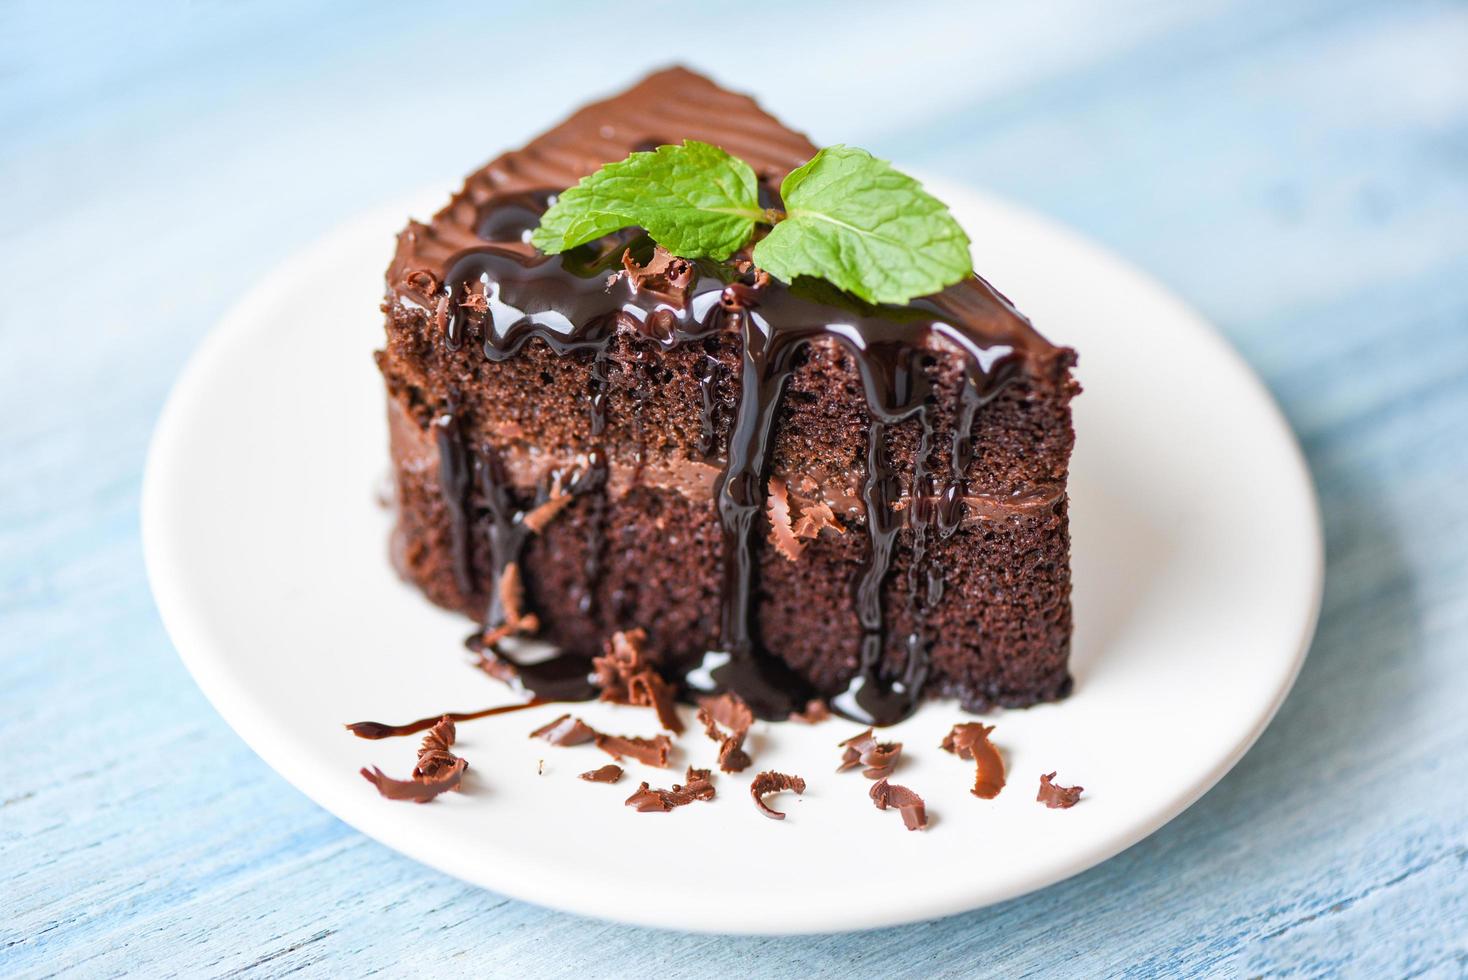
970	740
1058	797
565	730
437	771
768	783
609	773
419	791
698	786
914	813
880	758
730	711
625	677
650	751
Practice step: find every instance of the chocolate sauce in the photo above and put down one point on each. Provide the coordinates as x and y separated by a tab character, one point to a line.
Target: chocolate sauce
576	302
453	481
376	729
708	413
566	677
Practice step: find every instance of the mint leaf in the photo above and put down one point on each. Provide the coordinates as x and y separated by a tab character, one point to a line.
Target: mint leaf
854	221
695	200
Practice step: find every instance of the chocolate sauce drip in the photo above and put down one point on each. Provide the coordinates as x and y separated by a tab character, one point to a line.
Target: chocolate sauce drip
765	683
564	677
592	485
453	481
708	413
924	576
577	302
376	729
561	677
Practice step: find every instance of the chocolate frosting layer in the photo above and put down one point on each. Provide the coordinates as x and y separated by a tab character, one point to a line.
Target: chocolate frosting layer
668	106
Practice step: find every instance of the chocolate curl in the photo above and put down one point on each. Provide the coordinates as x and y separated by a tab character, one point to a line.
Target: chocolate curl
971	741
769	783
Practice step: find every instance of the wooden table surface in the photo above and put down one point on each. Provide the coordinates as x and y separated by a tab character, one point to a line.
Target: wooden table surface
1298	171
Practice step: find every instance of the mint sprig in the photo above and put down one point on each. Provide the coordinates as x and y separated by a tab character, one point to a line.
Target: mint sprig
695	200
850	218
856	222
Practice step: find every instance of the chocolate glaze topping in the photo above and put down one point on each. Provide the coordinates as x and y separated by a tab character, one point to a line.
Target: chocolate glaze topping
472	269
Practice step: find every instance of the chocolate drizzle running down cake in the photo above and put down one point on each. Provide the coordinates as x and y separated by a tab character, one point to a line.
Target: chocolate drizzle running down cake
623	431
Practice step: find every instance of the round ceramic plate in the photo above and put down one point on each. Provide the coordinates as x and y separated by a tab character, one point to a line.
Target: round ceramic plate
1198	566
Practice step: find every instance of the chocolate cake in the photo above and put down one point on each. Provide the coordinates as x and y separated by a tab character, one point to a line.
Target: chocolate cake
793	493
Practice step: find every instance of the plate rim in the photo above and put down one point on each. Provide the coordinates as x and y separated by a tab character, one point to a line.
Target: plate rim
243	716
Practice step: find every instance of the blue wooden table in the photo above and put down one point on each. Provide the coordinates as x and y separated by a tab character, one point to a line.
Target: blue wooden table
1298	171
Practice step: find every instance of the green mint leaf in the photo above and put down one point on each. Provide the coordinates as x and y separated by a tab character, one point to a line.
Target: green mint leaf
695	200
854	221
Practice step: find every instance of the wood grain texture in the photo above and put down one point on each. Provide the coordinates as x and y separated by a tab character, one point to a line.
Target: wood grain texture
1297	171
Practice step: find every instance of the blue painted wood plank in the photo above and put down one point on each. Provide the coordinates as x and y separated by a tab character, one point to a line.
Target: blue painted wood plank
1298	171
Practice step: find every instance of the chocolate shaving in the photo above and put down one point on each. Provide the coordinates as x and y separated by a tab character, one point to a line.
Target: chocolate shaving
540	516
565	730
421	281
778	509
609	773
768	783
625	677
441	314
512	602
970	740
650	751
816	711
419	791
699	786
434	757
914	813
880	758
474	300
1058	797
730	711
438	770
665	276
814	518
732	757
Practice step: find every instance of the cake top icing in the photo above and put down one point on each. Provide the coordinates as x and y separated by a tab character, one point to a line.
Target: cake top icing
667	106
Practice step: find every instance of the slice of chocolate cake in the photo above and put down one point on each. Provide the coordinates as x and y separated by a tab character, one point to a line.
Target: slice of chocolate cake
792	493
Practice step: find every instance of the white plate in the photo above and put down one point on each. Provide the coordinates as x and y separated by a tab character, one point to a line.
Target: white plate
1198	567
